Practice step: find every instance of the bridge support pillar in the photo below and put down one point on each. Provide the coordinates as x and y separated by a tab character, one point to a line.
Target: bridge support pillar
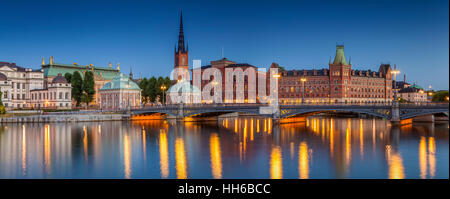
425	118
180	115
395	113
276	116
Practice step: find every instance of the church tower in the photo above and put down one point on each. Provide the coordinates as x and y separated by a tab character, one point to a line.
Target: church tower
181	52
340	76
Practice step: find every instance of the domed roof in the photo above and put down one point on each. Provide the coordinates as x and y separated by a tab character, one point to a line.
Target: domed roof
120	81
59	79
3	77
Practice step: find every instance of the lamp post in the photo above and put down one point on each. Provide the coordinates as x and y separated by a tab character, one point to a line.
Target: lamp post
163	88
303	80
395	72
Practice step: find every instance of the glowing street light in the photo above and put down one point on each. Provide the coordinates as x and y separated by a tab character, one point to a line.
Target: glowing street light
303	80
163	88
395	72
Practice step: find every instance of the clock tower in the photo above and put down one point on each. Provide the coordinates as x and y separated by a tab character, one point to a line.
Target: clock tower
181	53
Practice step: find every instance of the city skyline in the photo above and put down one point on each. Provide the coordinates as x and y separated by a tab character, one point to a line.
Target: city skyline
291	34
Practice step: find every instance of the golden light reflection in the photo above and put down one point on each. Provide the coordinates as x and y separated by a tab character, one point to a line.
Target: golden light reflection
163	154
423	157
180	159
257	126
361	138
235	125
395	162
85	144
144	145
276	164
348	144
47	149
331	137
432	156
216	156
251	130
245	136
303	161
127	156
24	151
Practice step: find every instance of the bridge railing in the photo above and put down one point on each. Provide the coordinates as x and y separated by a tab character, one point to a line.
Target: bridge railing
332	104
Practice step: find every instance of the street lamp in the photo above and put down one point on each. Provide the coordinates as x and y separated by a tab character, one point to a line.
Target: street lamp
395	72
303	80
163	88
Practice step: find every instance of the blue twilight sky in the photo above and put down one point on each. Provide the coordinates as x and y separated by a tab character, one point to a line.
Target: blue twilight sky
413	34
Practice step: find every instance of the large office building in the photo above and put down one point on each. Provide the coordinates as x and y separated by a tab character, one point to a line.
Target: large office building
337	84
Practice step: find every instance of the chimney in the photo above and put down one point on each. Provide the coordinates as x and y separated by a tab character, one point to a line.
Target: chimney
404	78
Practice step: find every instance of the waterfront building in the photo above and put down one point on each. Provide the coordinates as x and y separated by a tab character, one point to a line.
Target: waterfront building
56	95
16	83
413	93
337	84
102	75
120	93
181	62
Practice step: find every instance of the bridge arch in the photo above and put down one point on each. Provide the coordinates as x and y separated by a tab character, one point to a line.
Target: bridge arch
412	114
203	112
286	114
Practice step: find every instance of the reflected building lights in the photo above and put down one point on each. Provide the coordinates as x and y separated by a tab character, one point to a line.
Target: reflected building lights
423	157
216	156
127	156
163	154
276	164
361	138
47	149
395	163
24	151
180	158
303	161
432	156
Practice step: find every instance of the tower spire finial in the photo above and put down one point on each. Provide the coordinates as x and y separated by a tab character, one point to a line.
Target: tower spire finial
181	35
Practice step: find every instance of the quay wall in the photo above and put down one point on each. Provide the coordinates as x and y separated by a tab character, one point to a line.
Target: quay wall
65	118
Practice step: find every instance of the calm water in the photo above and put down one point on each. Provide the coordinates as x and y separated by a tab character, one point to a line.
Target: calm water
248	147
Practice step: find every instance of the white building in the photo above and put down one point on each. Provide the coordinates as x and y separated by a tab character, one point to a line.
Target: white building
57	95
16	83
21	88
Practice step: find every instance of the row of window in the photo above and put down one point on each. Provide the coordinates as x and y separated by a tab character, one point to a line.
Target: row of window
52	96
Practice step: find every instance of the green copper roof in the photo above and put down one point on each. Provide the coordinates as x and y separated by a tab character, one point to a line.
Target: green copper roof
122	82
416	86
56	68
340	57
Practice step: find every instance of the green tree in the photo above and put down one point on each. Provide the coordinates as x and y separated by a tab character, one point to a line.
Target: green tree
144	92
1	95
2	108
88	88
440	96
77	87
68	77
151	89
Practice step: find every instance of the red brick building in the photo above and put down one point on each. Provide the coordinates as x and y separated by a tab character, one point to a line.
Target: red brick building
337	84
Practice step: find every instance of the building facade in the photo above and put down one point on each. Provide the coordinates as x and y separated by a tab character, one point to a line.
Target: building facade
102	75
16	83
337	84
120	94
56	95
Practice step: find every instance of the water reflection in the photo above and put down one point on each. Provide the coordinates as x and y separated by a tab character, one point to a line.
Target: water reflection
229	148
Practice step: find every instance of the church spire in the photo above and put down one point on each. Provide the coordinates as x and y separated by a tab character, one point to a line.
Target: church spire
181	36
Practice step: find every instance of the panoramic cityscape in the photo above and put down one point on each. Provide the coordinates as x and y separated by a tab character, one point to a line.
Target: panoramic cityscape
328	111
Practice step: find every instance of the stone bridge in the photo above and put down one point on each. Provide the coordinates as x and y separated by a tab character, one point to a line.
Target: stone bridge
394	112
